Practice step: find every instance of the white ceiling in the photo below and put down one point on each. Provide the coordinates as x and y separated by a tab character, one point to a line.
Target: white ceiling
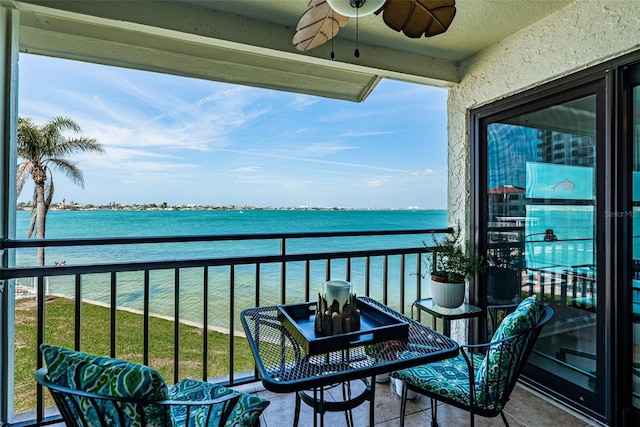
477	25
249	41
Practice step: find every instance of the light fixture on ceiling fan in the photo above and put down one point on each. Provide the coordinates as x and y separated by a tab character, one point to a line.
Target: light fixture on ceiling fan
323	18
355	8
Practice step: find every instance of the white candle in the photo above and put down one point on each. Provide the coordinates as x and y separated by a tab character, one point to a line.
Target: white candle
337	290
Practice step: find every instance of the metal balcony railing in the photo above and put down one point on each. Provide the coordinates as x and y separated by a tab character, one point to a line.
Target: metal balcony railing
204	290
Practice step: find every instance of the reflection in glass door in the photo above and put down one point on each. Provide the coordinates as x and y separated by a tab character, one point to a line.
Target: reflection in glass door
635	282
540	233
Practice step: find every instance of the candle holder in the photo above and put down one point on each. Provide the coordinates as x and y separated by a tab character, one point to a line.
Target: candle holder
337	309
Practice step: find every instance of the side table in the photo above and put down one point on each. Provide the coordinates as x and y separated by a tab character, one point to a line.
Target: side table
465	311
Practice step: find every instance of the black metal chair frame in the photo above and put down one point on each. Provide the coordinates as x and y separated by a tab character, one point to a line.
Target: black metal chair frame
497	402
64	396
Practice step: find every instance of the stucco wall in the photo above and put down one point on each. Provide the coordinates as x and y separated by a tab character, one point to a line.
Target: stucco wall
581	35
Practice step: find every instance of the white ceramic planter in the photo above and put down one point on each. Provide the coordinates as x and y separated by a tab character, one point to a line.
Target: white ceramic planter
397	385
447	294
382	378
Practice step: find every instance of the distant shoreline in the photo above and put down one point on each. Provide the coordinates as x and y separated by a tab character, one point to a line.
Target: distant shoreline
194	207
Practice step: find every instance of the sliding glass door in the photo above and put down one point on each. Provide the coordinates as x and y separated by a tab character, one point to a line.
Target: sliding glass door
556	206
540	222
633	118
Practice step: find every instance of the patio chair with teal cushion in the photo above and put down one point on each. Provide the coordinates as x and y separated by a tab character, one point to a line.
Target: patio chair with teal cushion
92	390
480	379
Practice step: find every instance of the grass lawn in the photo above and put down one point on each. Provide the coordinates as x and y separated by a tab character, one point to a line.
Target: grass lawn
96	338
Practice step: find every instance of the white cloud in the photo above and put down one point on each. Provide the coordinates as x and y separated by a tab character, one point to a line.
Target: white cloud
301	102
246	169
377	182
324	148
310	160
426	172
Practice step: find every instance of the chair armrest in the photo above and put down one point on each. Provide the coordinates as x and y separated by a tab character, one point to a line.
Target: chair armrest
42	379
467	351
232	398
229	400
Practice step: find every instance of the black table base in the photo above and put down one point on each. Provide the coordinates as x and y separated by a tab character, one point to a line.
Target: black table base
285	366
317	401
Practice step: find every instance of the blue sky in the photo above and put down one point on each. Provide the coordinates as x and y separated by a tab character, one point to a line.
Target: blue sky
187	141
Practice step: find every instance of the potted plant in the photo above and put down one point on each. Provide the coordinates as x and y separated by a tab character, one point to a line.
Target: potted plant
453	262
505	260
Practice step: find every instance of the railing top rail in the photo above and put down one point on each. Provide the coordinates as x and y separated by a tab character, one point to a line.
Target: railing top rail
62	270
35	243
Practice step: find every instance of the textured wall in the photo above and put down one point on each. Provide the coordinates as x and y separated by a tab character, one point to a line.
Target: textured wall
582	34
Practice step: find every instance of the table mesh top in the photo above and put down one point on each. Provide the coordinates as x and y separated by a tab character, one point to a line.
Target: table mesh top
284	366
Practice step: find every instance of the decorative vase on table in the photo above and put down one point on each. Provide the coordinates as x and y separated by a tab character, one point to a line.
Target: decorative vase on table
447	294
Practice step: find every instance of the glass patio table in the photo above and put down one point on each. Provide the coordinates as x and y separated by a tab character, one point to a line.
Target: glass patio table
285	366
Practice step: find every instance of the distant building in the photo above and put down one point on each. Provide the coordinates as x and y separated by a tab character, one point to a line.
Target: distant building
506	201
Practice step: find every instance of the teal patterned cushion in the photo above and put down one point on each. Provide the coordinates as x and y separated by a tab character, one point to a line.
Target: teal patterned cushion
245	414
108	377
494	372
448	378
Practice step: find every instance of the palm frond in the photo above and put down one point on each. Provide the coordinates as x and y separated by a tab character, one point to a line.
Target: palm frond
70	169
53	128
77	145
30	140
24	171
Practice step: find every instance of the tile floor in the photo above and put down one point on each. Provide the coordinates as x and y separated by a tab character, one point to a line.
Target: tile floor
525	409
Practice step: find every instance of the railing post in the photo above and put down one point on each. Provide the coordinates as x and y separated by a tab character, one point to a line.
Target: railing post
232	297
367	277
114	313
145	318
176	326
78	313
205	322
402	272
418	281
283	271
307	281
385	279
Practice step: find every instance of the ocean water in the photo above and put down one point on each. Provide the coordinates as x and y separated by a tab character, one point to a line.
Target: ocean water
127	223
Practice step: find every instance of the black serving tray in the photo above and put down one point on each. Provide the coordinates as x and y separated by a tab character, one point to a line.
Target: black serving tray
375	326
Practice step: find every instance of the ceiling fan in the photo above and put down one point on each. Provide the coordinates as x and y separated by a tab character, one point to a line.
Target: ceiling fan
323	18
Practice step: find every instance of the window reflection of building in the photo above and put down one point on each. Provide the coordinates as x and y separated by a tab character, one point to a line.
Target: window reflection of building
566	149
636	132
509	147
505	202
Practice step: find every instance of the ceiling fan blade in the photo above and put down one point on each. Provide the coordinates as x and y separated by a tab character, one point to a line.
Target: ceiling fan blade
417	17
317	25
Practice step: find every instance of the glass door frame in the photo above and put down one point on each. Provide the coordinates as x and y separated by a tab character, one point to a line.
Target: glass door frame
629	79
600	81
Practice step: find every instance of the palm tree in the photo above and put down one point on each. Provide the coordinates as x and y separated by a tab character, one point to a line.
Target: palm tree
44	148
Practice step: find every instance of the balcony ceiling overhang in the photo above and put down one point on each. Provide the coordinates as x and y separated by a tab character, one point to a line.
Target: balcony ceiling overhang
249	41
